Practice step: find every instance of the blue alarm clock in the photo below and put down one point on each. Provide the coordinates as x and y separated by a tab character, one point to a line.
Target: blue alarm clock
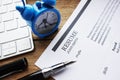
42	16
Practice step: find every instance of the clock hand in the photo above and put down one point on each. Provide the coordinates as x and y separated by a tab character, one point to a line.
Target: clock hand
37	26
43	22
45	25
47	16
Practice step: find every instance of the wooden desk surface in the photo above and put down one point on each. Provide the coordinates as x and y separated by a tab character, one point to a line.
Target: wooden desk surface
66	8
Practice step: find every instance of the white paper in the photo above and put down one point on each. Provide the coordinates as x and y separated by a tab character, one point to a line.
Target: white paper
90	36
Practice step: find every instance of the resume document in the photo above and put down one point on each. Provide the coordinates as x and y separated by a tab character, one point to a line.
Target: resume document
91	36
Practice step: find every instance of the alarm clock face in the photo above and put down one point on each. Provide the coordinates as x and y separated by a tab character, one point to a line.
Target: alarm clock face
46	22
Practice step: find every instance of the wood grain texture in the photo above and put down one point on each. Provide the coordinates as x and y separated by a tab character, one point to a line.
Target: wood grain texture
66	7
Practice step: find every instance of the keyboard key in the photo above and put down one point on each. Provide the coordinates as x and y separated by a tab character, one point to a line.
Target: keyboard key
23	44
16	0
21	22
19	4
17	15
0	51
0	2
0	19
10	25
4	2
8	48
7	16
11	7
3	9
14	35
1	27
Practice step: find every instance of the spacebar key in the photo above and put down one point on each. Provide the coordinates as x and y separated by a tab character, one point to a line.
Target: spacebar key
14	35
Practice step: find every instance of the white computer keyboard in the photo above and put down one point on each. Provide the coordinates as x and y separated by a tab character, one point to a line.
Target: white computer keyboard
15	35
